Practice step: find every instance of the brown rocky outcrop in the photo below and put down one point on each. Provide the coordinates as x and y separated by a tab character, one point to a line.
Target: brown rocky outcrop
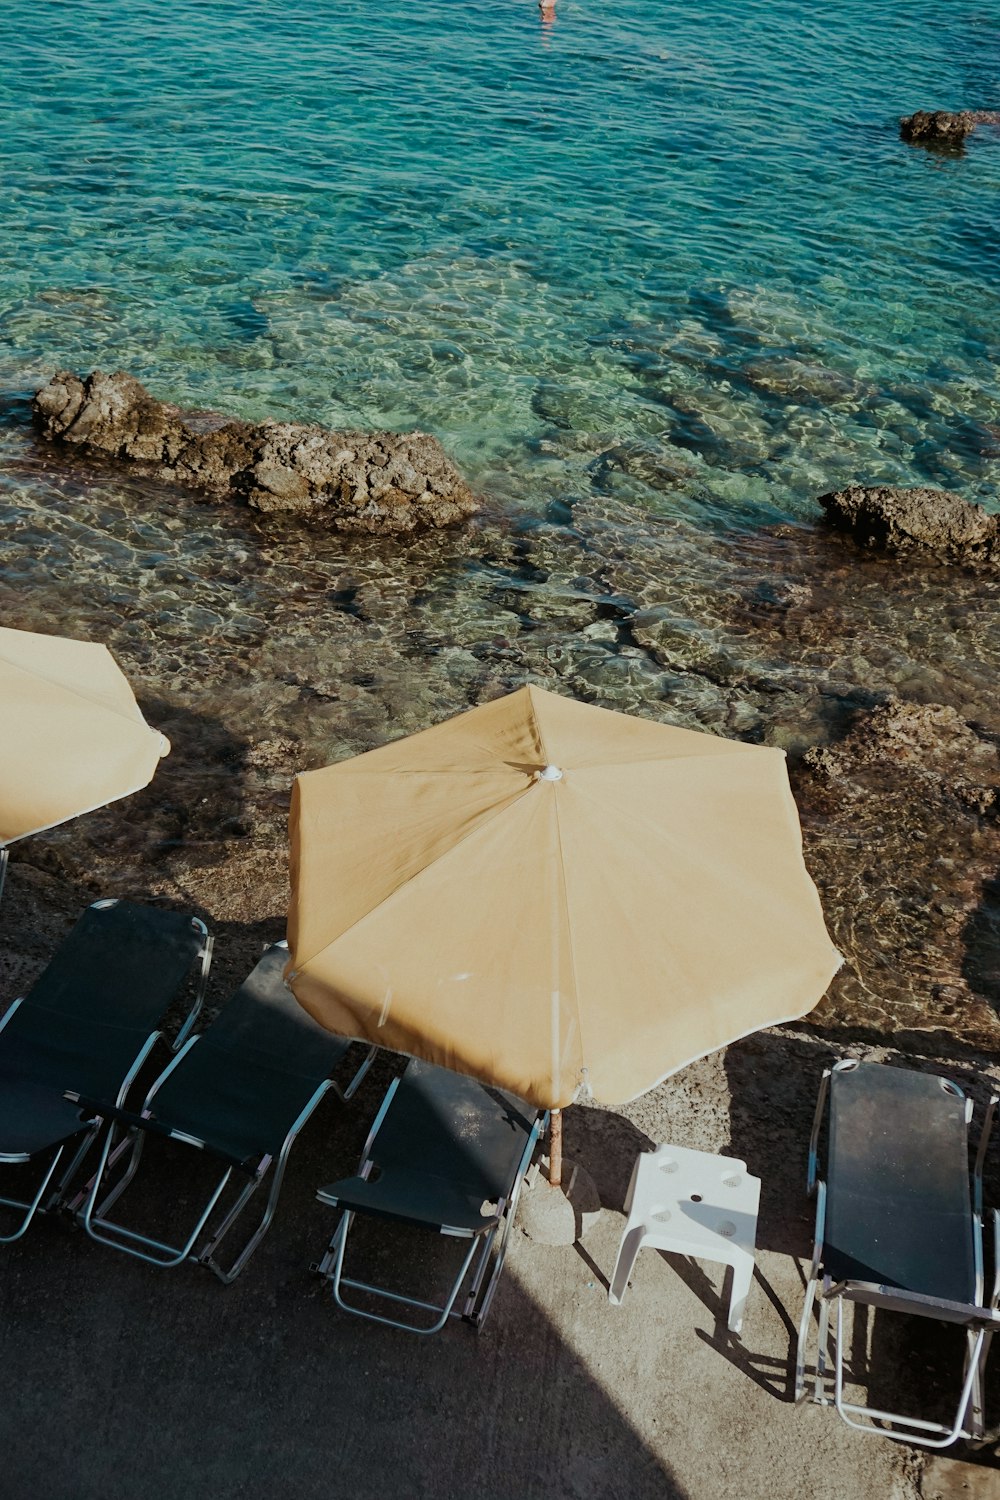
919	519
901	823
368	482
925	743
945	127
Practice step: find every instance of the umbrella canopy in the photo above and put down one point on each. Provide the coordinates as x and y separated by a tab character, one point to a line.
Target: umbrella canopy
71	734
554	897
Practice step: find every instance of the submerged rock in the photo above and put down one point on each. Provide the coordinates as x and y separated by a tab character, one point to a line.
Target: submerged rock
369	482
929	743
944	127
900	520
901	828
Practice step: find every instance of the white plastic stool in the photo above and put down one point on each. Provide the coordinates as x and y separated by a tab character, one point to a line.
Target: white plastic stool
695	1204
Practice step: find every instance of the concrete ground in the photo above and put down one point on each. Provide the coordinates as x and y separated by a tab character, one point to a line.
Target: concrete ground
120	1380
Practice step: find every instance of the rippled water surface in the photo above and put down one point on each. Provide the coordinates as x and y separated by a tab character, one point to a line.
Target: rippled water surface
691	225
656	276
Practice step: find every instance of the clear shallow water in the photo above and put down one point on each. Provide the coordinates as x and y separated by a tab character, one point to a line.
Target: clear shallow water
656	277
680	225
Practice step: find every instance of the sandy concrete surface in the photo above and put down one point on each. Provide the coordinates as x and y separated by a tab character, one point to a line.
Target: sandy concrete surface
120	1380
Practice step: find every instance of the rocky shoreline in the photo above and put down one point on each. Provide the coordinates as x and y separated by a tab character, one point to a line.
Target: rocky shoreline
896	520
944	127
261	657
365	482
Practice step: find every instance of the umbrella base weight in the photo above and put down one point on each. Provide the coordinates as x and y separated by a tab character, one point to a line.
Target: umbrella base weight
562	1215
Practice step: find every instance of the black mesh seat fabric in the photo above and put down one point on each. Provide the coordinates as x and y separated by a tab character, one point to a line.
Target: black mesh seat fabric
245	1082
33	1118
69	1052
898	1208
121	964
81	1026
447	1147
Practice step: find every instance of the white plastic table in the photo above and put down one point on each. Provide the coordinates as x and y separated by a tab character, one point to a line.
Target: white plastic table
694	1204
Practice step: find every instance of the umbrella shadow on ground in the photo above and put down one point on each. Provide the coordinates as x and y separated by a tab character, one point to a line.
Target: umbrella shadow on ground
606	1146
265	1387
981	936
196	805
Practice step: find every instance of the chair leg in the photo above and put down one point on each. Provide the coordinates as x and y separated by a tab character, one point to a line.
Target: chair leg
630	1194
822	1352
332	1267
133	1140
804	1325
627	1251
743	1268
30	1208
143	1247
977	1353
207	1256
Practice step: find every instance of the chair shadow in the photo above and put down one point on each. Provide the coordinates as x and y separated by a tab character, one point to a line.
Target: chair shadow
291	1395
773	1375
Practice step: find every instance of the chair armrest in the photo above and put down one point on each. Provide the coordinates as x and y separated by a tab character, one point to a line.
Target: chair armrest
150	1126
10	1011
984	1140
106	1111
995	1299
824	1085
893	1299
208	944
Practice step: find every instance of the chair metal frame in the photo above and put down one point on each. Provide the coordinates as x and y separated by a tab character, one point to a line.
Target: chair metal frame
45	1200
980	1320
93	1214
481	1289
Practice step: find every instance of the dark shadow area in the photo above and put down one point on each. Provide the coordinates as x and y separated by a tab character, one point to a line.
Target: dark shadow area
196	805
607	1146
774	1375
264	1388
773	1079
915	1366
981	935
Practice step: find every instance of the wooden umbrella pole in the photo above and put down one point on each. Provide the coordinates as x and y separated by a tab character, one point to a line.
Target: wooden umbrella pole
555	1148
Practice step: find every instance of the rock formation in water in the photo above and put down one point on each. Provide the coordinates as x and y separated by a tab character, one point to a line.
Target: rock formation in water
901	520
943	127
901	821
929	743
360	481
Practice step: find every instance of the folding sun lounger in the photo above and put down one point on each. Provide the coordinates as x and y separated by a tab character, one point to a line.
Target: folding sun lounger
447	1154
896	1230
240	1092
87	1026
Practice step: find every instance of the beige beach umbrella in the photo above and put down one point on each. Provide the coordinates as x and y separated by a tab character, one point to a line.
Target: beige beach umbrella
72	737
554	898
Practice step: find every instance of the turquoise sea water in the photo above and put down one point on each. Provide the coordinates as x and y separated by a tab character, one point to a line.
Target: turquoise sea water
656	276
688	229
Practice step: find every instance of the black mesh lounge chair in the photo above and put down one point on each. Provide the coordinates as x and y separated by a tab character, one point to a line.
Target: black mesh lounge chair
449	1155
87	1025
897	1229
241	1092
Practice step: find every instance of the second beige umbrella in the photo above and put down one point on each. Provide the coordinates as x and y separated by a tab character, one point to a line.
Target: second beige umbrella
72	737
554	898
